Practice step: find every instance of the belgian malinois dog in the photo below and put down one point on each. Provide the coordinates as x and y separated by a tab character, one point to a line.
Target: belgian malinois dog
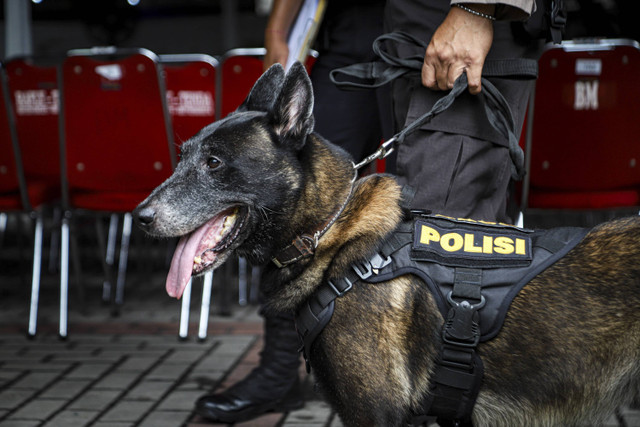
254	182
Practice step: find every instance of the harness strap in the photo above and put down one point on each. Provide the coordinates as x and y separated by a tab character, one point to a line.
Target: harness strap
317	311
467	283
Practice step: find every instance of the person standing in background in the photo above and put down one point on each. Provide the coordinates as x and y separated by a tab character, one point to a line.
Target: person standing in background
458	164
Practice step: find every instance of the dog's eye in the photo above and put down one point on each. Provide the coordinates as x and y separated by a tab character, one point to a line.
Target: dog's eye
213	162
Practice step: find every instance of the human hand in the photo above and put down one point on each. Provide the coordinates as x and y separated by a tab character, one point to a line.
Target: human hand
460	43
277	48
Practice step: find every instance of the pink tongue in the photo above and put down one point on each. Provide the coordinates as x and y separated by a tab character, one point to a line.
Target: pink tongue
182	261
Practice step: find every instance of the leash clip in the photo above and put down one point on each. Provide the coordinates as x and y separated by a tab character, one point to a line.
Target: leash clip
383	151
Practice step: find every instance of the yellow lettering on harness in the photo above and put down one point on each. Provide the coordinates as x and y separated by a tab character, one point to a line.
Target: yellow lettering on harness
487	245
469	244
473	243
451	242
428	234
503	245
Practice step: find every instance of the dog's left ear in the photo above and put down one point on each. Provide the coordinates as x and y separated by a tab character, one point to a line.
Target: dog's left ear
263	92
293	109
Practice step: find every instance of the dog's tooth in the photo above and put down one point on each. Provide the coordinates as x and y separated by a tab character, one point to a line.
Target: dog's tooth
197	260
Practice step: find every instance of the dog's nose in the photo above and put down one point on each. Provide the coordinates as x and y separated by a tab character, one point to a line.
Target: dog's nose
145	216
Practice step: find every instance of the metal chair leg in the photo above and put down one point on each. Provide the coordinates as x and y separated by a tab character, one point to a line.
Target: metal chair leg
35	278
184	312
3	226
206	303
122	262
242	281
255	284
64	275
110	255
54	245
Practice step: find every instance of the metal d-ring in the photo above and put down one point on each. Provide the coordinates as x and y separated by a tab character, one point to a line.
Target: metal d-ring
465	303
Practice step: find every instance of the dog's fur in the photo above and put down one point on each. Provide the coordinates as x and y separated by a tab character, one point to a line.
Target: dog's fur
569	351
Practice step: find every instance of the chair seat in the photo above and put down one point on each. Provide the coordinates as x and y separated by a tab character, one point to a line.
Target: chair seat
10	201
107	201
583	200
41	192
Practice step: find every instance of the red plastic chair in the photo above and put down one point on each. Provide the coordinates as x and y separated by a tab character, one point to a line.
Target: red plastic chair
34	95
15	196
240	69
583	136
191	83
116	141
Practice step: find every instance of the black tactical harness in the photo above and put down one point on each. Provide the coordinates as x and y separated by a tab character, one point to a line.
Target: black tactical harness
473	269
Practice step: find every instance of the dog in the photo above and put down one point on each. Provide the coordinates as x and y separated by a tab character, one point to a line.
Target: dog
260	182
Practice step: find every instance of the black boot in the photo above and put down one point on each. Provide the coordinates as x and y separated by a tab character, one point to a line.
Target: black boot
272	386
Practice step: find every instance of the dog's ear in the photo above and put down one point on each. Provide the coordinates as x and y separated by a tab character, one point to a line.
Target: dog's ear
264	91
293	109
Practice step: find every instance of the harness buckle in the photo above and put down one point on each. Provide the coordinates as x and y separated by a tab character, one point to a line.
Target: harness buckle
461	327
338	292
366	269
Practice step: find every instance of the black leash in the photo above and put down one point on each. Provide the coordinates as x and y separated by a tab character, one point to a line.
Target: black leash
371	75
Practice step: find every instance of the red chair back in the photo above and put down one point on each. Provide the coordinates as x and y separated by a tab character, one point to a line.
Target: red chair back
240	69
117	130
34	94
585	147
190	81
9	182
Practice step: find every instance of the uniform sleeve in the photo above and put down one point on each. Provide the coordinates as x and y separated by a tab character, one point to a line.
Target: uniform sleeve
506	10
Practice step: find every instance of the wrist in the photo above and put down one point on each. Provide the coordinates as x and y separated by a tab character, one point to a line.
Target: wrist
486	11
274	33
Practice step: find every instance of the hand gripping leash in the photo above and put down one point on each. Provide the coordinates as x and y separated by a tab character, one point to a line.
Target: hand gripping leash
375	74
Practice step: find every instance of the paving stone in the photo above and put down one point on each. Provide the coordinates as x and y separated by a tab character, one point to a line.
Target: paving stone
26	365
166	371
165	419
186	356
112	424
127	410
72	356
89	371
20	423
202	381
7	376
38	409
109	355
233	344
149	390
72	418
116	381
94	400
136	363
12	398
180	401
65	389
217	362
35	380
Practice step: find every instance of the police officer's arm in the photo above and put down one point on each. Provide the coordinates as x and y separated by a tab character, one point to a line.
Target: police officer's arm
463	41
283	13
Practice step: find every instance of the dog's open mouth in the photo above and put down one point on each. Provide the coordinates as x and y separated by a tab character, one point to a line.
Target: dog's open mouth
199	249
